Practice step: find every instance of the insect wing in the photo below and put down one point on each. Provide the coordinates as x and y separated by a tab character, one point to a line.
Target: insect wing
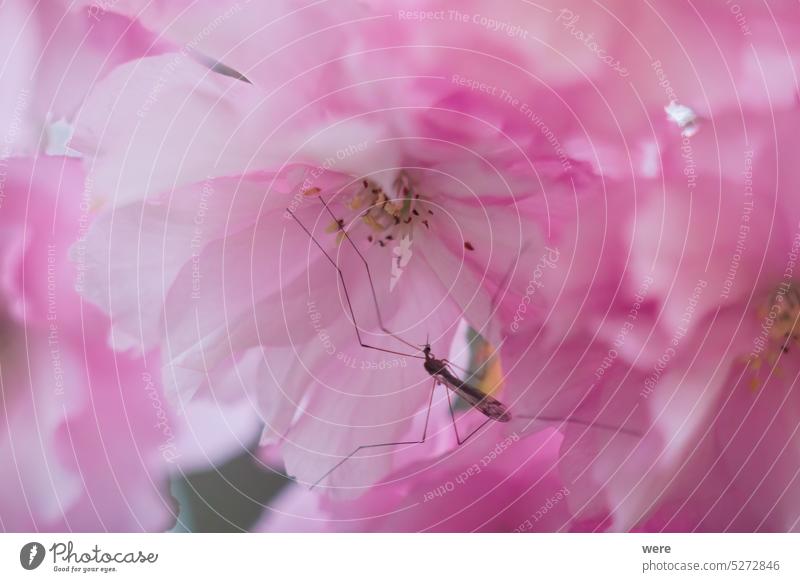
488	405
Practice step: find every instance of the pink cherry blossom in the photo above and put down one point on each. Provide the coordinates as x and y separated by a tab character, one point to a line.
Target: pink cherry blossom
237	293
53	53
737	472
215	337
680	380
84	445
89	439
285	184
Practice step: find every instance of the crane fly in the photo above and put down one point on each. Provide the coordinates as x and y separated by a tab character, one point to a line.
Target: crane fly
440	370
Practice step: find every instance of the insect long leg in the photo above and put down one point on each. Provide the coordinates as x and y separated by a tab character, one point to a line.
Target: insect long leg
587	423
459	440
362	447
369	277
347	295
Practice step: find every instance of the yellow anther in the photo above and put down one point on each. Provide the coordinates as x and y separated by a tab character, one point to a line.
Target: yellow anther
356	203
779	316
372	223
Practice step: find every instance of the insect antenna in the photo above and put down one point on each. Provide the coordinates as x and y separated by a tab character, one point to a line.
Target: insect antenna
347	295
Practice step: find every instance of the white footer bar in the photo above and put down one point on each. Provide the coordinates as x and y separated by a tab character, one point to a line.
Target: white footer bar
406	557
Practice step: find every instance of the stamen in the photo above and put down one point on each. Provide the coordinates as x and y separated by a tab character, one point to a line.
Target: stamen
779	330
389	216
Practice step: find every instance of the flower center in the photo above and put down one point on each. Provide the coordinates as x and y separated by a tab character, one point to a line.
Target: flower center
383	216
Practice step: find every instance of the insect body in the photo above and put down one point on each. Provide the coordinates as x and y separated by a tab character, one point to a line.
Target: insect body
488	405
